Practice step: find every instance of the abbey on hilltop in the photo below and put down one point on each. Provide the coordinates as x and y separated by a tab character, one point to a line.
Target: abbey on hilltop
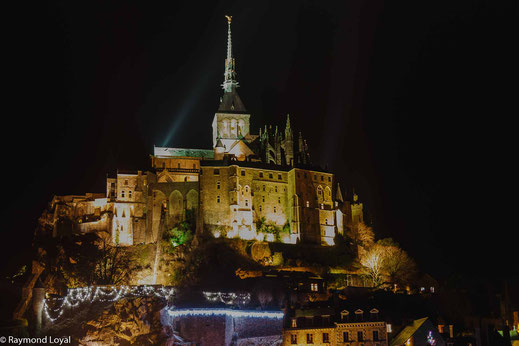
245	181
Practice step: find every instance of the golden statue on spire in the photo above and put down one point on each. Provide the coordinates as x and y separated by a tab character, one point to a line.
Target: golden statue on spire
229	18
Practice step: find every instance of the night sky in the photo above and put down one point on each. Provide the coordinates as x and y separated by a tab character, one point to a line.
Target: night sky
409	102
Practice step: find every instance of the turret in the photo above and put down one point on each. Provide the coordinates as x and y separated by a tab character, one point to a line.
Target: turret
289	143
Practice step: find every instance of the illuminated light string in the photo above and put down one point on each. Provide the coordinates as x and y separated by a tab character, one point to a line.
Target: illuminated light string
430	339
225	312
77	296
228	298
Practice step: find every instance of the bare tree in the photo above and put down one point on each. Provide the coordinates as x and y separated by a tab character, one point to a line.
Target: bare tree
372	262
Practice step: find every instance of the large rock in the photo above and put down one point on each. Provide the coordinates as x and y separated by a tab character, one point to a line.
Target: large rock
134	321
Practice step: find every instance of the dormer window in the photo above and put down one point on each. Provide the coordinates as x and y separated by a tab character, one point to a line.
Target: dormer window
359	314
344	315
374	314
314	287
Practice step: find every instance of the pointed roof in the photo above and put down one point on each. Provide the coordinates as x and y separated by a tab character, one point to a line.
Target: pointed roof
219	144
230	102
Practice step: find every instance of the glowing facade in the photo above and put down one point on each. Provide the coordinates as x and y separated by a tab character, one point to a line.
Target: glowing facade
251	186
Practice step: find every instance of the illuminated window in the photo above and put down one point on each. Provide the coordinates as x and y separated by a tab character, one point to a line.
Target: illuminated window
294	323
309	338
326	338
345	336
217	199
243	173
218	185
307	204
432	289
261	174
216	172
389	329
279	176
293	339
314	287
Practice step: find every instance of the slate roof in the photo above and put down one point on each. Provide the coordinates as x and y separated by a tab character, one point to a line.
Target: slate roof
231	103
407	332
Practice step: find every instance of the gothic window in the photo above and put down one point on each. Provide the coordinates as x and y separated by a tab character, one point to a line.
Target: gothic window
217	199
130	194
325	221
246	203
122	193
276	189
263	198
218	185
260	209
270	175
279	199
216	172
246	189
274	209
263	187
279	176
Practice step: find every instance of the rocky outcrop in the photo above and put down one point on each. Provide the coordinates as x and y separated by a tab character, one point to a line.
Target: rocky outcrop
126	322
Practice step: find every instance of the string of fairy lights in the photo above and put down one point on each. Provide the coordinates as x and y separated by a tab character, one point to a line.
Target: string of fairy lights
228	298
225	312
79	296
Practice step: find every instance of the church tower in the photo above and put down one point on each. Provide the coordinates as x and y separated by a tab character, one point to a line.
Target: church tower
231	121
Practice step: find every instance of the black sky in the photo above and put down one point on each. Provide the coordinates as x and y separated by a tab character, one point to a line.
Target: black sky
410	102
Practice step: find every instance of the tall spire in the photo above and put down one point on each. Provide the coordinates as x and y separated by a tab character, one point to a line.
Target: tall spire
230	81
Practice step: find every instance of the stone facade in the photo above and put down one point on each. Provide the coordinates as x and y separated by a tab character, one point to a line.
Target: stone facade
244	182
350	329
